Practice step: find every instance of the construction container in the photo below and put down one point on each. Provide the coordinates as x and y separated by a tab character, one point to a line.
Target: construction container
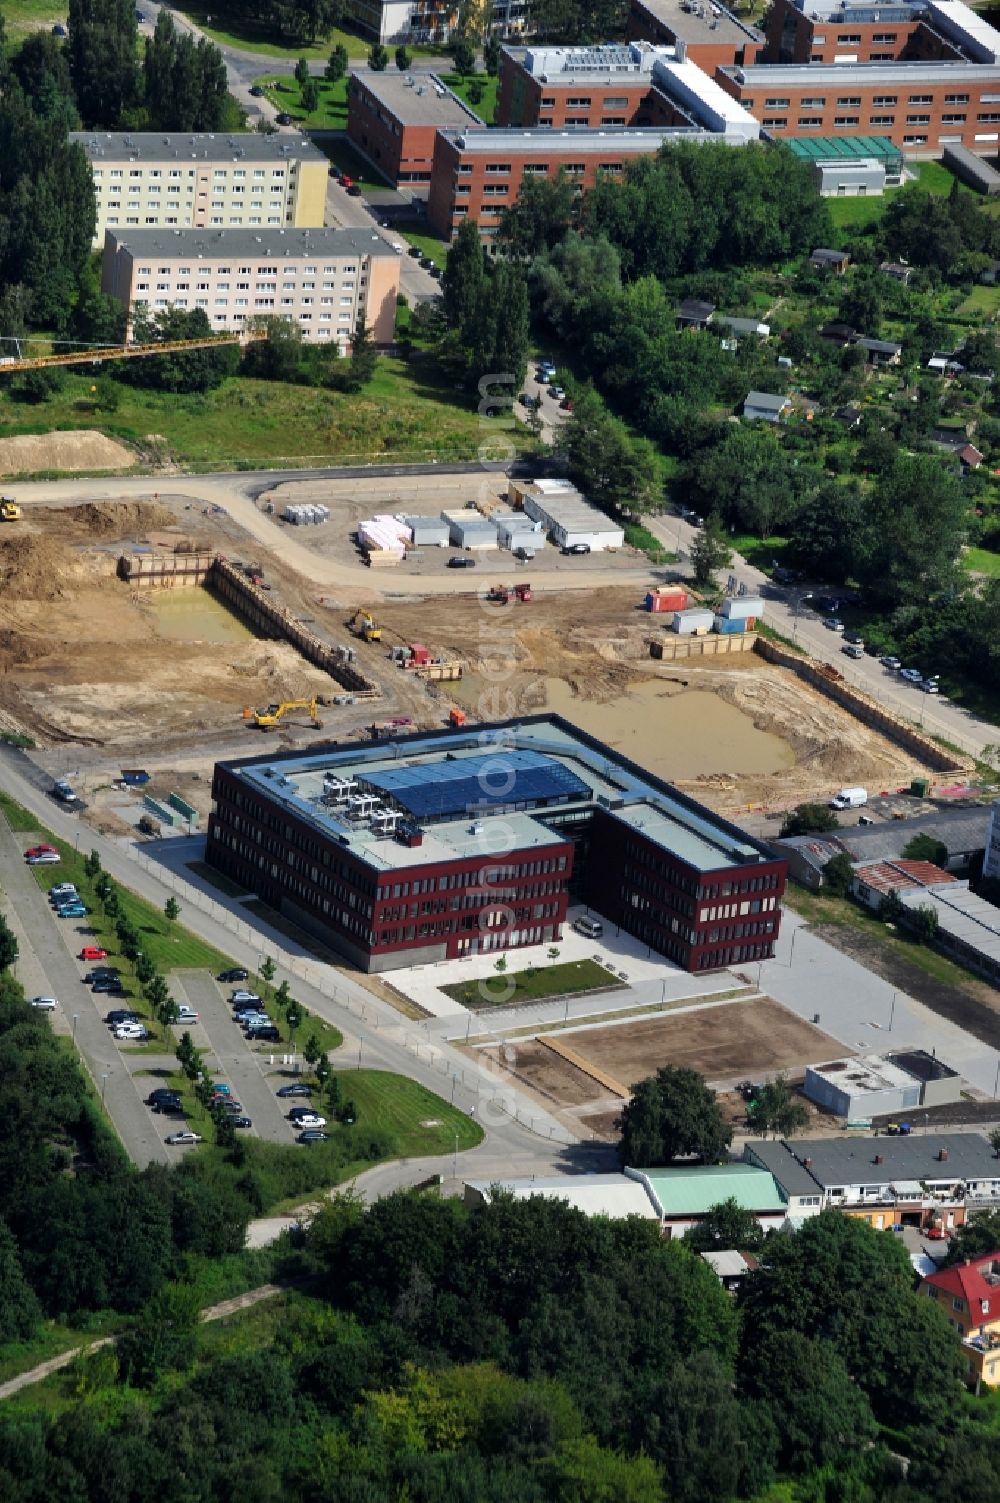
668	598
920	787
419	653
739	607
692	623
730	626
427	532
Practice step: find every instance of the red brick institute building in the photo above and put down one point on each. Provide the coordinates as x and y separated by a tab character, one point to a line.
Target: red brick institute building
446	844
393	119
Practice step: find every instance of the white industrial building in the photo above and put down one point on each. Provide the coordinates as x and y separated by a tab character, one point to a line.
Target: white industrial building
850	178
565	514
880	1085
614	1195
428	532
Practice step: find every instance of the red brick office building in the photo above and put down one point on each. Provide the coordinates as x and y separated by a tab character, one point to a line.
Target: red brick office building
451	844
921	107
569	94
713	35
848	34
393	119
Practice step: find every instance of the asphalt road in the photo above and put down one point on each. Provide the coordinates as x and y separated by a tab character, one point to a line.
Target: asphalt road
49	968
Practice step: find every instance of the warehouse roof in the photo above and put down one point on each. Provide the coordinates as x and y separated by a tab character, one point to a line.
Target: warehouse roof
961	830
192	146
901	876
962	915
612	1195
210	244
835	1162
417	100
694	1190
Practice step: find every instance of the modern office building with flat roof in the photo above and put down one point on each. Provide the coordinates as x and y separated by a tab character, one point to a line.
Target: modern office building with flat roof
712	34
176	180
450	843
326	280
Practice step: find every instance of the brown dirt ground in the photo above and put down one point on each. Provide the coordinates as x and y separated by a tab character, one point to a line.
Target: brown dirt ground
81	450
734	1038
546	1073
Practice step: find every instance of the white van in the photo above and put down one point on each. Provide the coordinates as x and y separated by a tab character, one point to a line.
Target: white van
849	798
590	928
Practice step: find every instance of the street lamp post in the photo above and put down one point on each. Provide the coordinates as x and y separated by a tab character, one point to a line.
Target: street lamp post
104	1087
456	1155
892	1010
76	1019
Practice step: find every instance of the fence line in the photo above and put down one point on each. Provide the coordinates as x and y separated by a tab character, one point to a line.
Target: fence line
393	1031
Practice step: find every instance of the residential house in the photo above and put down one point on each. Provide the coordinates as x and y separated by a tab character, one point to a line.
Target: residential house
824	259
742	327
730	1267
878	351
765	406
971	457
898	270
836	333
969	1294
695	314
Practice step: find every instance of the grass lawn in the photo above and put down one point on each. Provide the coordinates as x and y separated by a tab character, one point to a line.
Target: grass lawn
763	553
463	84
427	244
407	412
641	538
231	29
419	1122
21	17
850	215
981	561
505	989
343	155
331	113
981	301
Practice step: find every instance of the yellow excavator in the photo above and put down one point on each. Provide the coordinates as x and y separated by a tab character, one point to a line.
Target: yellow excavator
363	624
270	717
10	510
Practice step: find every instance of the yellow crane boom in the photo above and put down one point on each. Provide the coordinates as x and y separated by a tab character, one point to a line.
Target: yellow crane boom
129	351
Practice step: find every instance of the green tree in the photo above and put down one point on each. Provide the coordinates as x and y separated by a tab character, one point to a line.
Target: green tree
310	96
820	1414
20	1311
671	1115
302	72
539	218
403	59
171	909
809	819
164	1337
462	279
8	945
476	90
923	923
500	965
92	864
926	848
838	874
710	551
283	996
103	46
774	1109
917	524
364	357
464	57
980	1235
197	370
378	58
618	472
491	54
337	64
726	1225
312	1050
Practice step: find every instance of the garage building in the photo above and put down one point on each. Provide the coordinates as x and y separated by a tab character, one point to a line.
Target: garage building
566	514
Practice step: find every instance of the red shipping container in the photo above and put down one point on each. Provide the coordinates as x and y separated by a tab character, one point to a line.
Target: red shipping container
666	600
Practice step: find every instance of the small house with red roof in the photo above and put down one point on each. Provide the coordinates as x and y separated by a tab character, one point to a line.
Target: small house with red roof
969	1294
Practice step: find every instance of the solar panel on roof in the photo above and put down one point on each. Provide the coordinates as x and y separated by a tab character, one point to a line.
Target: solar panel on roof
466	785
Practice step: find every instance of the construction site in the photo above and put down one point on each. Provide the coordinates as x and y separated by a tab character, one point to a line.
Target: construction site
154	625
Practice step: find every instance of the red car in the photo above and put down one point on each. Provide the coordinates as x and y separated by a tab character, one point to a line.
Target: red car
93	952
41	850
938	1234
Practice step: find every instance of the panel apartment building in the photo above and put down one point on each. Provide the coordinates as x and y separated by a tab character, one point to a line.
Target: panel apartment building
150	180
325	279
452	843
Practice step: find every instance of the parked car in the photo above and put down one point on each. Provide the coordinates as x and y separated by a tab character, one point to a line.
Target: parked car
99	971
256	91
354	191
244	996
888	661
312	1135
47	858
229	1106
46	1004
93	952
136	1031
241	1121
245	1009
73	910
309	1119
833	623
297	1112
458	561
911	675
297	1088
930	686
162	1093
283	119
261	1035
109	985
415	252
41	850
557	393
855	638
435	272
255	1020
122	1015
184	1136
577	548
169	1108
235	973
219	1088
186	1015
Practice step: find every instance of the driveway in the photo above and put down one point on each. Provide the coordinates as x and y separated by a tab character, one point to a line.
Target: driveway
238	1064
45	948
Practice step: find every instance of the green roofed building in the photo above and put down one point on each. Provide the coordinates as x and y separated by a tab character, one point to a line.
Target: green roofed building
684	1194
851	166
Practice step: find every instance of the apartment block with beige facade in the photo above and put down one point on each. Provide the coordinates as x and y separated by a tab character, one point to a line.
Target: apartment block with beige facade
175	181
324	279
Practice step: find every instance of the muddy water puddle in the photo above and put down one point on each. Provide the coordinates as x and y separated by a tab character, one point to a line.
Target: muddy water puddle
193	615
675	733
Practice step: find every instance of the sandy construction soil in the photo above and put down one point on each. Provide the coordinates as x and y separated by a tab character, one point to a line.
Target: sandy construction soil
80	450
